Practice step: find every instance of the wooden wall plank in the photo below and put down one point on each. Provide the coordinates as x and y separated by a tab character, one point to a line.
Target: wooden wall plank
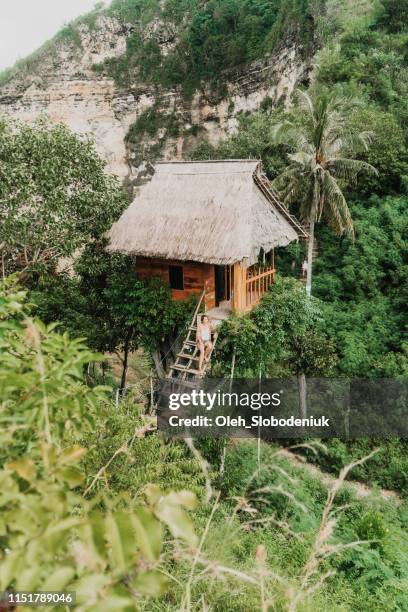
196	275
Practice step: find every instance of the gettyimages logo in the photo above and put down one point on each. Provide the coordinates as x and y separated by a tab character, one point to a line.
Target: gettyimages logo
207	401
271	409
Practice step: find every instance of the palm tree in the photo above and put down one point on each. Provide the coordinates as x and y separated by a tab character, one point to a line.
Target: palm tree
321	145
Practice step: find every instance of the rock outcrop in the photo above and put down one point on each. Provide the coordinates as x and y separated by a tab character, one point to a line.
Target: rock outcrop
66	88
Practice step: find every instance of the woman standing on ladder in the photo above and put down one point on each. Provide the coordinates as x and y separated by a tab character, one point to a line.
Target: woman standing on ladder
203	338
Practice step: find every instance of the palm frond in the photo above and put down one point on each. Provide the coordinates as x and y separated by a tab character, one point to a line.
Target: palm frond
291	183
281	133
348	169
290	135
305	101
340	139
302	157
291	193
336	210
321	151
289	173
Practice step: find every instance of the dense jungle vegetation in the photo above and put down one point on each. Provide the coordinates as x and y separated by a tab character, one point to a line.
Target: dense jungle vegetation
363	282
214	36
91	498
92	501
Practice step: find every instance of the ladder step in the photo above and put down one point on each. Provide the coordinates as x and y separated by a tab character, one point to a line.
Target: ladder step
190	343
193	327
186	356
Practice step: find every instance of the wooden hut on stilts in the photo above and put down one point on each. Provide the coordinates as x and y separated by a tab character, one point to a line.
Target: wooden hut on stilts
207	228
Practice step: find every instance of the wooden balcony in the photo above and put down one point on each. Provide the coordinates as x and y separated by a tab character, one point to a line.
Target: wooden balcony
259	280
251	283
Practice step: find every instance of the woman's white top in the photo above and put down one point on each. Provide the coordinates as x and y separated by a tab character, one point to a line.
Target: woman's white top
205	334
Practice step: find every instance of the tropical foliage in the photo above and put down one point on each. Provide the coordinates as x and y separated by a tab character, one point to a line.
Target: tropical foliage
321	145
92	499
54	196
78	512
207	38
283	336
117	313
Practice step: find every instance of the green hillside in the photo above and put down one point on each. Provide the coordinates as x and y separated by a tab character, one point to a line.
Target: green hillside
363	282
209	38
92	499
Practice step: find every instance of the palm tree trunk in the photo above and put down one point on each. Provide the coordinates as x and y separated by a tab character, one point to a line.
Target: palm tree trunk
310	250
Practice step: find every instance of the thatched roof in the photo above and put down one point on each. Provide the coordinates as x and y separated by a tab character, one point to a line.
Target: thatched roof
211	212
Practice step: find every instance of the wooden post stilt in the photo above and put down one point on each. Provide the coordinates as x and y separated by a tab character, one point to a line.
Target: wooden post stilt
240	272
258	454
151	392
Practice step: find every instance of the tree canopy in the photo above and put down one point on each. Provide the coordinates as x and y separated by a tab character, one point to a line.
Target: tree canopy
54	195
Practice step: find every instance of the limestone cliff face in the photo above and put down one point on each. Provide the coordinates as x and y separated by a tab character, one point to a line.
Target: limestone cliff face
67	89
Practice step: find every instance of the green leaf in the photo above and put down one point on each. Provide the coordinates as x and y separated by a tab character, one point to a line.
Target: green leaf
151	584
63	525
58	580
25	468
49	454
98	532
71	475
88	588
176	519
114	539
127	535
27	579
72	455
117	603
9	568
149	533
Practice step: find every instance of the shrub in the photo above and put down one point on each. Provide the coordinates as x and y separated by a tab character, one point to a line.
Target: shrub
41	379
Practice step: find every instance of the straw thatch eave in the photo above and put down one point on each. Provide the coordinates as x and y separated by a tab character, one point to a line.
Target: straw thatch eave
210	212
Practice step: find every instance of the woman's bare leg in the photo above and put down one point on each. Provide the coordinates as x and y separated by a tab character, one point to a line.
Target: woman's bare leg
201	360
207	351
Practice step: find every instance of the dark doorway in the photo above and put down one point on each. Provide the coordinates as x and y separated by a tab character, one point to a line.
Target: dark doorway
219	284
222	284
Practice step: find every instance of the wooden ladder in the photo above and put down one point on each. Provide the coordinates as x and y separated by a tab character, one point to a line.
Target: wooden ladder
185	366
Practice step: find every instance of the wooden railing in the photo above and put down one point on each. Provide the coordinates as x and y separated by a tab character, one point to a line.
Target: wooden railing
258	281
196	318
